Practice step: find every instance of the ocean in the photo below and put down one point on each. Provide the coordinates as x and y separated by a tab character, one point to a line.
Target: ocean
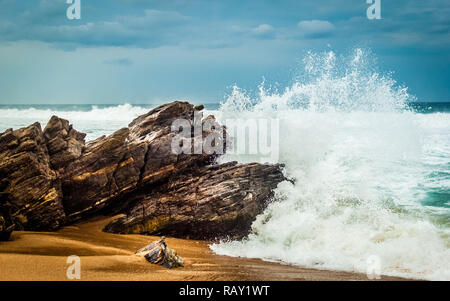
371	166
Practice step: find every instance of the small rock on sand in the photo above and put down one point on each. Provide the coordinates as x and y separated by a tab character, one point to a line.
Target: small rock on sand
159	253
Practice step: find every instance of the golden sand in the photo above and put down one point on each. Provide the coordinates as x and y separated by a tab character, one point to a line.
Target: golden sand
105	257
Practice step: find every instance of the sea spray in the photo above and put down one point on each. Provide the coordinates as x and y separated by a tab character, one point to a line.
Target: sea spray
365	167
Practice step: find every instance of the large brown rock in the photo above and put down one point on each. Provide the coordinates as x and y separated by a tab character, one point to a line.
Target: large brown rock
211	202
112	168
33	188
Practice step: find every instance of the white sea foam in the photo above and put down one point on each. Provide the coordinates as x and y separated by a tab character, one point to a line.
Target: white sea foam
363	166
95	122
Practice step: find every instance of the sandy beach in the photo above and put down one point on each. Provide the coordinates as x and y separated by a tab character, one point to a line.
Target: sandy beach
110	257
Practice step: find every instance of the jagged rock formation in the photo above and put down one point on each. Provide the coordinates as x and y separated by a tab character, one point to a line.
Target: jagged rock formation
33	188
64	143
52	177
112	167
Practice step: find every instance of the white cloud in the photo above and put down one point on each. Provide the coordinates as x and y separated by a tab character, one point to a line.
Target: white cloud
263	29
315	28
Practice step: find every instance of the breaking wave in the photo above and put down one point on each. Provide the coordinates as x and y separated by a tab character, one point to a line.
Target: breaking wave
372	176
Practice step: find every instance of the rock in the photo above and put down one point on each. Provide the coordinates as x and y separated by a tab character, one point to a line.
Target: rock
32	187
64	143
159	253
138	157
100	174
5	229
50	178
207	203
7	224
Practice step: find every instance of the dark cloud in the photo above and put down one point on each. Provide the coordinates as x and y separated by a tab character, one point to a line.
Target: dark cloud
237	41
210	24
47	22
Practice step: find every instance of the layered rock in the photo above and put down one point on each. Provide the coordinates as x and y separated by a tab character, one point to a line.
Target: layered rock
50	178
33	188
111	168
212	201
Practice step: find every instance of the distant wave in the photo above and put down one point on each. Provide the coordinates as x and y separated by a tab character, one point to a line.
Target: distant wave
95	120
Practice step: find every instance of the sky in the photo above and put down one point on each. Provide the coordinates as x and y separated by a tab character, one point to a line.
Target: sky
154	51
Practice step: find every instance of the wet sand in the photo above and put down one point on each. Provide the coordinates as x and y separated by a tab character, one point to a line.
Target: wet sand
107	257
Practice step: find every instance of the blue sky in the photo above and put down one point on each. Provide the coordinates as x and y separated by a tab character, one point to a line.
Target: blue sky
148	51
